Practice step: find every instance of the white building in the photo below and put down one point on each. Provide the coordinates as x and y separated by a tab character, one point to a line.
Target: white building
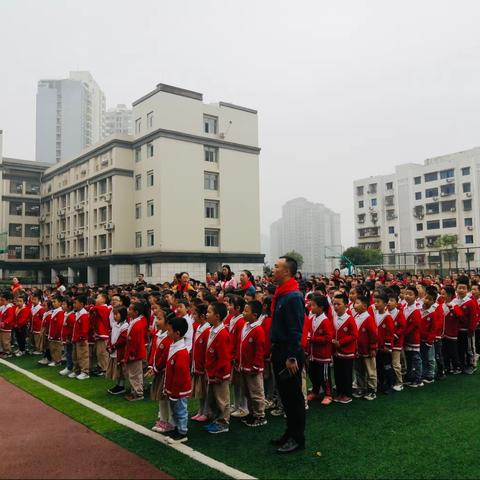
182	193
409	210
70	116
309	228
118	120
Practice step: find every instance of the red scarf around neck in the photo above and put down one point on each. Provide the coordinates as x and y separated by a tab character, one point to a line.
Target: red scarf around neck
290	285
247	285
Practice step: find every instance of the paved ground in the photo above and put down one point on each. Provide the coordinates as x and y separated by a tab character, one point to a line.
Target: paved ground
40	442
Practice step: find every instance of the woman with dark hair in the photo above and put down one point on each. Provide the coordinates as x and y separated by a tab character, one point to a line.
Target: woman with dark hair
247	283
60	283
227	279
16	285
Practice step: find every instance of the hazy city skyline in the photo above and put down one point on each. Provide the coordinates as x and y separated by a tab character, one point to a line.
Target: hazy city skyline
344	90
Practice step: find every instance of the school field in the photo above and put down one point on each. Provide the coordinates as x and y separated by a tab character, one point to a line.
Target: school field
431	432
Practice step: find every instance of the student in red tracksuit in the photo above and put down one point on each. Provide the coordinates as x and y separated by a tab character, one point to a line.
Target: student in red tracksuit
252	346
80	332
385	331
218	368
36	324
467	326
66	335
55	331
47	315
157	364
399	323
453	314
22	319
235	307
412	338
178	383
320	350
7	322
100	323
439	333
135	349
365	363
428	332
116	349
345	348
199	350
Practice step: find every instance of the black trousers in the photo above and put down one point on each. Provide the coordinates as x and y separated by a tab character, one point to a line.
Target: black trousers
439	357
21	337
290	392
466	347
320	377
343	371
450	354
385	373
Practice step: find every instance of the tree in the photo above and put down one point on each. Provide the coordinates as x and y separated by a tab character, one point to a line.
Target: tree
267	270
298	257
361	256
446	241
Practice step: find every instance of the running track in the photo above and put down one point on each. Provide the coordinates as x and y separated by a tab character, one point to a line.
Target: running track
40	442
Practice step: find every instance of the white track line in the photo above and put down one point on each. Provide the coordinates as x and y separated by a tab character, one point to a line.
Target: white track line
184	449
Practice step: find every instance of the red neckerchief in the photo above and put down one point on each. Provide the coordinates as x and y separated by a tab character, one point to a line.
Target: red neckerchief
290	285
247	285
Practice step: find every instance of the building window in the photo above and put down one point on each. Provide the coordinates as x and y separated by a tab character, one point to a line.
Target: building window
419	227
391	245
32	209
148	269
14	251
360	204
150	178
102	242
210	124
16	208
465	171
360	190
468	222
433	224
210	181
446	190
32	251
450	173
372	188
211	154
449	206
391	229
102	187
150	238
32	230
467	187
418	195
149	150
430	177
212	237
138	125
373	202
102	214
417	180
431	192
467	205
138	154
16	186
468	238
32	188
389	185
138	182
138	211
432	208
150	208
420	243
449	223
150	120
211	208
138	239
15	230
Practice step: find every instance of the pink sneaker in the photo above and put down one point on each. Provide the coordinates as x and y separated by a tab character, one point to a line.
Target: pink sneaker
326	400
195	417
163	427
201	418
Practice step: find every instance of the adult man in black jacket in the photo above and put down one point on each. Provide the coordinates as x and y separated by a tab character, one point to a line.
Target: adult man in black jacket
287	354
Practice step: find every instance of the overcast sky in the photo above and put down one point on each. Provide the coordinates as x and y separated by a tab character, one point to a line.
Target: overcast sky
344	89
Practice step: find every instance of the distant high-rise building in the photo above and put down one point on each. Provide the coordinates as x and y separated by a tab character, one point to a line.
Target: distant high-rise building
118	120
312	230
70	116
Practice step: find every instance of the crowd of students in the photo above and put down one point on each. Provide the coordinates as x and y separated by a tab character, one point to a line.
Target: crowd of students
210	339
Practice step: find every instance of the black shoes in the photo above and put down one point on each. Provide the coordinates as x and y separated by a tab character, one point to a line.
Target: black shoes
290	446
278	442
116	390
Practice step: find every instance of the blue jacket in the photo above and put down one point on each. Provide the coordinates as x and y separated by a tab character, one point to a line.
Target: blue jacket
287	323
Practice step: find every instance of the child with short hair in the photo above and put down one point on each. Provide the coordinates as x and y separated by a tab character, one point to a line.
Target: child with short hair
399	324
47	315
199	350
251	363
428	327
81	359
178	384
413	319
36	325
116	349
182	310
7	322
218	368
66	334
321	334
22	319
55	331
453	313
100	324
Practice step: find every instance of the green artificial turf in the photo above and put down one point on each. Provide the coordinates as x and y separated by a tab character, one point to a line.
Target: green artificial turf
418	433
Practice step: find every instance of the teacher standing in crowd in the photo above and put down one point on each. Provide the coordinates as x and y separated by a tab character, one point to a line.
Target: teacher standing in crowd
288	311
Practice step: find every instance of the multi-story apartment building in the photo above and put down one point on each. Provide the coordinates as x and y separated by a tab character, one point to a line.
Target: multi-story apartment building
182	193
311	229
70	116
118	120
19	217
409	210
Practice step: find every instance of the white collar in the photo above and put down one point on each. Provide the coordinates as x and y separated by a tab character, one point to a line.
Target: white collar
201	329
379	317
408	310
160	336
248	327
317	320
216	329
361	317
430	310
133	322
36	308
56	311
233	321
176	347
339	321
80	313
393	313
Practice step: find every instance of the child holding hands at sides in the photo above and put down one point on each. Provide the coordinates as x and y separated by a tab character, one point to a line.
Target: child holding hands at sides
116	350
200	339
178	383
218	368
37	319
66	335
81	360
157	363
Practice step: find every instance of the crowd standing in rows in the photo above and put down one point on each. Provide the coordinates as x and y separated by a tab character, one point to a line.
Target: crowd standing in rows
361	335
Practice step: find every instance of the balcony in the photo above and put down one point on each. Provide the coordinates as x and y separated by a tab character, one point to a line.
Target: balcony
371	232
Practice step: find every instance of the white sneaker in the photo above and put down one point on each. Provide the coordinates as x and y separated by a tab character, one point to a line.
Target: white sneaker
65	372
239	413
398	388
36	352
72	375
19	354
44	361
83	376
52	364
